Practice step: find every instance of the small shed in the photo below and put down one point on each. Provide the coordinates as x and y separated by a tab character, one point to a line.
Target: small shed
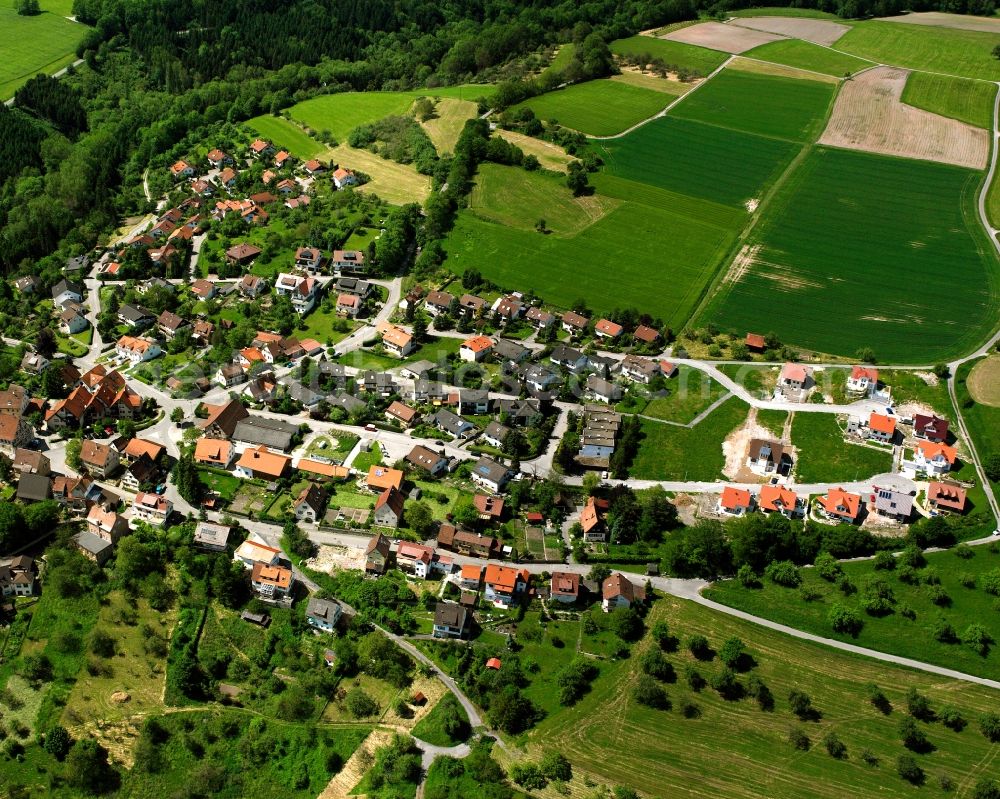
493	663
418	699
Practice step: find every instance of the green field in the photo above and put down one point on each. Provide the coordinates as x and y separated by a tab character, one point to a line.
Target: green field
825	458
806	55
741	752
890	633
783	108
286	135
982	421
518	198
948	50
697	160
29	45
680	453
689	393
525	259
783	11
679	54
869	251
341	113
965	100
597	107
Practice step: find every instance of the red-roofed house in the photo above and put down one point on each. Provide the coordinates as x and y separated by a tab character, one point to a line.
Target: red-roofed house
605	328
755	342
881	427
646	334
475	348
565	587
490	508
778	499
415	558
735	501
794	376
840	505
389	508
471	577
863	380
592	522
946	496
619	592
932	458
504	583
348	305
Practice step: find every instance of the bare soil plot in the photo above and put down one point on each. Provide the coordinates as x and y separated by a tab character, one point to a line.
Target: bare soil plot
727	38
737	444
742	64
330	557
819	31
984	382
549	155
938	19
870	116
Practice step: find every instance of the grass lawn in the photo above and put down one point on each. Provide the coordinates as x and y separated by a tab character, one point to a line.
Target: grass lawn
597	107
768	105
948	50
773	420
286	135
381	691
321	325
892	633
430	728
745	750
395	183
131	670
363	461
679	453
909	386
755	379
343	112
969	101
432	492
657	84
29	45
518	199
550	156
824	457
914	279
333	447
691	392
345	495
806	55
689	57
222	483
450	116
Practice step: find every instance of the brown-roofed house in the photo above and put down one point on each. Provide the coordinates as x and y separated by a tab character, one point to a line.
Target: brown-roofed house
946	496
222	419
242	253
490	508
399	412
755	342
377	555
99	459
565	587
646	334
619	592
389	508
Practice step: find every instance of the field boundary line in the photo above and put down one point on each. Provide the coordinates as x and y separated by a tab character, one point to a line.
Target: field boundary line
670	105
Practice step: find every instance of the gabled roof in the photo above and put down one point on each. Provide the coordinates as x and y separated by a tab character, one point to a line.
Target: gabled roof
930	426
225	416
565	584
313	496
946	495
478	344
618	586
505	578
403	412
590	517
772	451
864	372
573	319
378	543
795	372
777	498
382	477
393	499
95	454
608	328
879	423
489	469
646	334
278	576
736	498
932	450
262	460
839	502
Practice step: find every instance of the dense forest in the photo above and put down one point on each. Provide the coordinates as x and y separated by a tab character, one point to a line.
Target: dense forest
161	75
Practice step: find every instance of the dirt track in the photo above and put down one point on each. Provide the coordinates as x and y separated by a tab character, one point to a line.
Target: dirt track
869	116
727	38
820	31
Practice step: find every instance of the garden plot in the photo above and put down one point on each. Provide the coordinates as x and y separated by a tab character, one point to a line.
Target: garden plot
819	31
727	38
869	115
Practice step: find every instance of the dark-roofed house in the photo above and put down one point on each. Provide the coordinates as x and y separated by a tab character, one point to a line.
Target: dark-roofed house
222	419
67	290
496	434
450	423
211	536
34	488
892	504
389	508
932	428
507	351
574	323
467	543
427	460
450	620
377	555
438	302
93	547
135	315
323	614
603	390
490	474
242	253
30	461
261	430
17	578
767	456
310	503
168	323
474	401
568	358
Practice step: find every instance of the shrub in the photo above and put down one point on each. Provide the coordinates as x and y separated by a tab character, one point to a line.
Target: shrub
908	768
944	632
877	597
102	644
58	742
528	775
845	620
657	666
698	646
967	579
801	705
727	685
953	719
938	596
991	582
648	692
912	736
878	699
694	679
919	706
827	566
690	710
731	652
989	726
798	739
884	560
869	757
759	691
747	576
784	573
555	767
986	788
834	746
912	556
359	704
977	639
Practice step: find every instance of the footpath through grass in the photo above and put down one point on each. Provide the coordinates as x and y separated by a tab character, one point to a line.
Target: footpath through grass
961	581
742	751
